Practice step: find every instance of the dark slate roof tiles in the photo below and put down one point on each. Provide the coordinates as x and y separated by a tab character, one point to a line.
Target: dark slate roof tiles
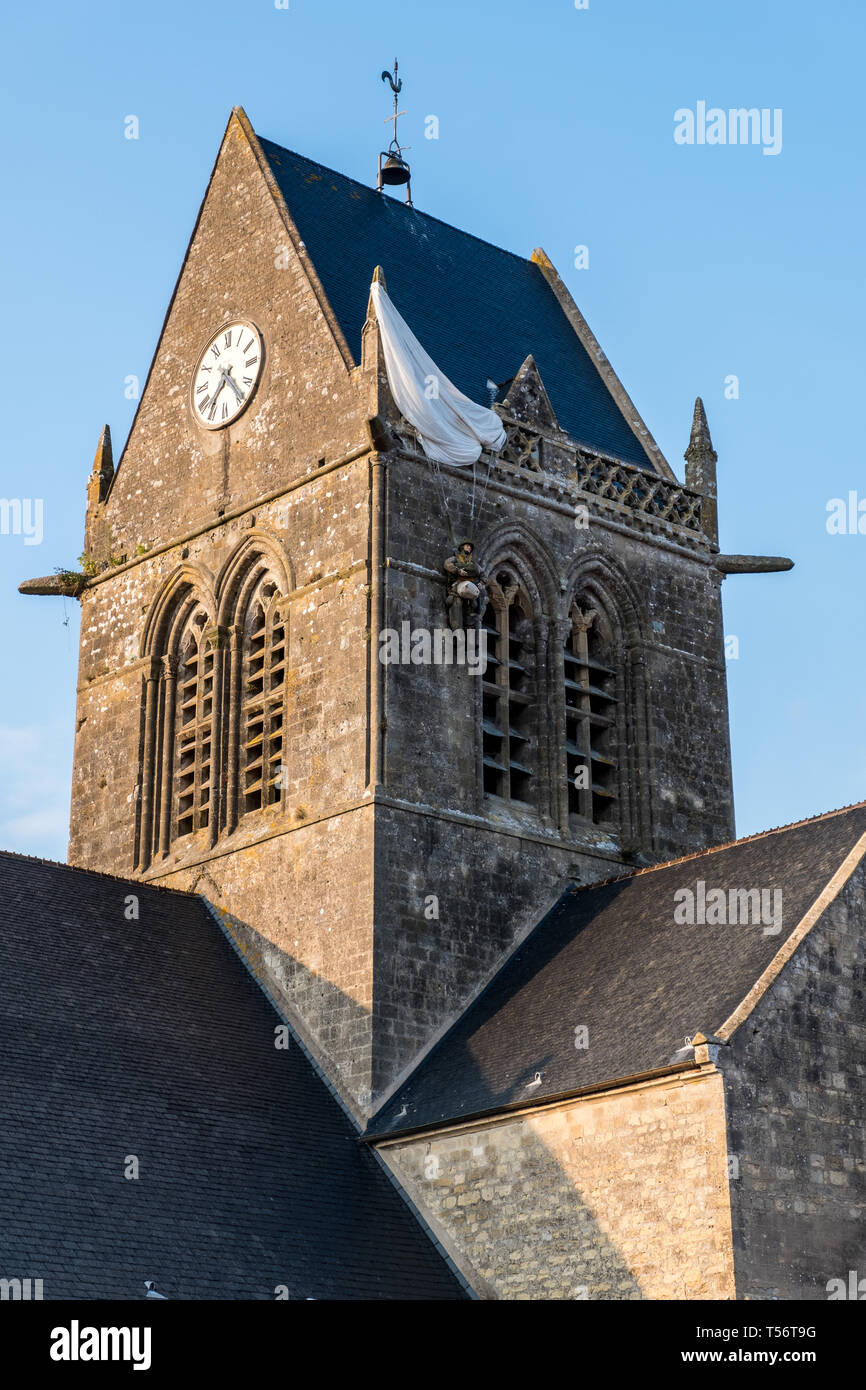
609	957
150	1038
478	310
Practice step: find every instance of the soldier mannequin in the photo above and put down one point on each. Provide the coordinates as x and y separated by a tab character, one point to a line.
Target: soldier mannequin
467	585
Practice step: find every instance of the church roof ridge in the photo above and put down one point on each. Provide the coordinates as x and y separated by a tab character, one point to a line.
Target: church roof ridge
408	208
95	873
717	849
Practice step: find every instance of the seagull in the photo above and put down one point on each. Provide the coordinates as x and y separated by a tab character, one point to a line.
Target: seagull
151	1290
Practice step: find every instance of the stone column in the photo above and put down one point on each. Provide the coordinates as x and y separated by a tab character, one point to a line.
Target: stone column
233	746
151	714
169	664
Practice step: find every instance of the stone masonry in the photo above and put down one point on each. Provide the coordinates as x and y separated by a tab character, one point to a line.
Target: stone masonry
618	1196
795	1075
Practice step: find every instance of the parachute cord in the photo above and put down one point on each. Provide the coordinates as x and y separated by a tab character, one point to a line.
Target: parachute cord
486	483
440	483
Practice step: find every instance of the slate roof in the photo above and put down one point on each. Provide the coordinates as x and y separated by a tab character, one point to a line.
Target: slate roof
478	310
610	957
150	1038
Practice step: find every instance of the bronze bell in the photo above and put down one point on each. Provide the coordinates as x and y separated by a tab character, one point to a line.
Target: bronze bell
395	170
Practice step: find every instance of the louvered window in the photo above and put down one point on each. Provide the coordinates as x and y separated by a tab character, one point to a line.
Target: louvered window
194	718
508	692
263	700
590	719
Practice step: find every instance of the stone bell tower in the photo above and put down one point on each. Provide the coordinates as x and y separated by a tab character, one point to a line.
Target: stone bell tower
377	836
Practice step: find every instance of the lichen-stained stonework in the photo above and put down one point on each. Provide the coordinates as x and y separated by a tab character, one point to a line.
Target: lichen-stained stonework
383	808
241	264
321	530
619	1196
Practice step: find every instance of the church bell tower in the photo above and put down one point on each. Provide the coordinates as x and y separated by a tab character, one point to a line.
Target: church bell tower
377	834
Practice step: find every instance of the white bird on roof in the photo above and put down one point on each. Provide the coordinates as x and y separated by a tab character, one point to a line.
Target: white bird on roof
151	1290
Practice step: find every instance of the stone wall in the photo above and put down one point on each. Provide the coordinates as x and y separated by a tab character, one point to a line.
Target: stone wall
241	264
795	1077
452	896
320	529
678	753
300	907
619	1196
176	482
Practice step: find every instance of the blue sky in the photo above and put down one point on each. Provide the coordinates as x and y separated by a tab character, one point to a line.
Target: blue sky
556	128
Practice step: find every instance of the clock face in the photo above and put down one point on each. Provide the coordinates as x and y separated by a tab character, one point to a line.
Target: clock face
226	375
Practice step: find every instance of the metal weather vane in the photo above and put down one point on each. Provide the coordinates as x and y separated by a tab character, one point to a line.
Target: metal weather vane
395	170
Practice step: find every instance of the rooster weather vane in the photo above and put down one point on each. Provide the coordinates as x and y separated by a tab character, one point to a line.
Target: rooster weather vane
395	170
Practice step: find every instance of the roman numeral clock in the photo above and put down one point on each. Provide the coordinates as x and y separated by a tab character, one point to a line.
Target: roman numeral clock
226	375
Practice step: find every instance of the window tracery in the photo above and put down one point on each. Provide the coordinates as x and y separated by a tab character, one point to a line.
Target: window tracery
508	692
263	699
590	716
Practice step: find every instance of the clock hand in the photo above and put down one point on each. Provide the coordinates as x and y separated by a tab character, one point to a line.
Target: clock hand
213	401
227	377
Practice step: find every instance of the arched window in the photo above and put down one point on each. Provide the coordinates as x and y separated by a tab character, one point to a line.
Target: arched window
591	751
179	779
214	691
263	699
194	727
508	691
